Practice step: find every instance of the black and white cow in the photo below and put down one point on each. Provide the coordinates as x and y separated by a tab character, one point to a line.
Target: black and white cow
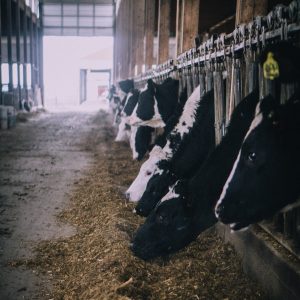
118	102
126	85
188	208
156	104
144	138
187	147
187	117
124	131
114	99
140	141
266	174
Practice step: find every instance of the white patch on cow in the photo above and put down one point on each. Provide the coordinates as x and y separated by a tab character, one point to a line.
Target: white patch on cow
257	120
122	135
186	120
291	206
232	225
138	186
134	120
145	88
170	195
227	183
257	109
155	122
132	142
127	98
121	94
158	171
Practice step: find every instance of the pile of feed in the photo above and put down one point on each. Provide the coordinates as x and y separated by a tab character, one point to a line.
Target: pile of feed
97	263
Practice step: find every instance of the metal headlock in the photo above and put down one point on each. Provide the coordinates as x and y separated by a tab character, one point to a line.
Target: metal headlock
281	23
228	63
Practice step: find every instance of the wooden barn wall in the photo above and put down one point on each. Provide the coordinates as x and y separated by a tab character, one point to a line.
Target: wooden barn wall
139	23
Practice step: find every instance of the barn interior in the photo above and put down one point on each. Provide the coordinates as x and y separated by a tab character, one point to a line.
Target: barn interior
66	223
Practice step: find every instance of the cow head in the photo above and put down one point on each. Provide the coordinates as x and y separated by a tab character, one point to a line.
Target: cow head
140	140
172	225
146	111
123	131
126	85
265	176
156	188
131	101
166	229
138	186
156	103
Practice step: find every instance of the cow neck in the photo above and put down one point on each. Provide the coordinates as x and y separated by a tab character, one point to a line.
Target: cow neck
166	97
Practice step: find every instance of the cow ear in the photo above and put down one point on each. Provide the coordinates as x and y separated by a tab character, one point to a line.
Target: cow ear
126	85
151	86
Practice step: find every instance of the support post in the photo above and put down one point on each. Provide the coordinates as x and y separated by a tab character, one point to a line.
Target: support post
1	101
246	10
9	45
149	33
179	25
190	14
31	52
139	21
18	29
25	53
41	51
163	31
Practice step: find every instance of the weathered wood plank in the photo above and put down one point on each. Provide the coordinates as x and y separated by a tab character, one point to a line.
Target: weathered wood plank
179	26
247	9
139	21
190	23
163	31
149	32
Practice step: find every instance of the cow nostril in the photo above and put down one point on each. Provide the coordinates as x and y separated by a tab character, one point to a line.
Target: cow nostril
139	211
127	195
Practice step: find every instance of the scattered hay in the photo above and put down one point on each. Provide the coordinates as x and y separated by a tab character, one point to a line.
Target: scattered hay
96	263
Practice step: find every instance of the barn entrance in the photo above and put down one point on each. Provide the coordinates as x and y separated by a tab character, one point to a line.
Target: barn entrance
73	68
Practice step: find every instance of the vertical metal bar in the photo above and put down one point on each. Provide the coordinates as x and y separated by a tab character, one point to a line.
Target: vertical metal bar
94	17
31	51
18	48
115	42
36	44
61	18
1	101
25	53
41	51
77	17
9	45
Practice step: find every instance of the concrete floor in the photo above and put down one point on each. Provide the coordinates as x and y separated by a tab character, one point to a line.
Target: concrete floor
39	162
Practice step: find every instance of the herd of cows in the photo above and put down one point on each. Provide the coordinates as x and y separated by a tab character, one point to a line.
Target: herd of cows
188	183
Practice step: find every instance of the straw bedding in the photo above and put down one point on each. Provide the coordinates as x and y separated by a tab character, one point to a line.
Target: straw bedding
96	263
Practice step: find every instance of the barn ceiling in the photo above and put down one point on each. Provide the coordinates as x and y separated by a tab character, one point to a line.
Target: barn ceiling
78	17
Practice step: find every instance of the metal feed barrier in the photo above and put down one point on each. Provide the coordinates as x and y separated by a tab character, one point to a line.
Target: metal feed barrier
229	64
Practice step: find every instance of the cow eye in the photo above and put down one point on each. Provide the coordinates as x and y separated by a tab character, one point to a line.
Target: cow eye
252	156
148	173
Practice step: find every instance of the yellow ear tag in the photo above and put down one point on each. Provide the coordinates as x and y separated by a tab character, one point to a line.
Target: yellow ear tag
271	68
